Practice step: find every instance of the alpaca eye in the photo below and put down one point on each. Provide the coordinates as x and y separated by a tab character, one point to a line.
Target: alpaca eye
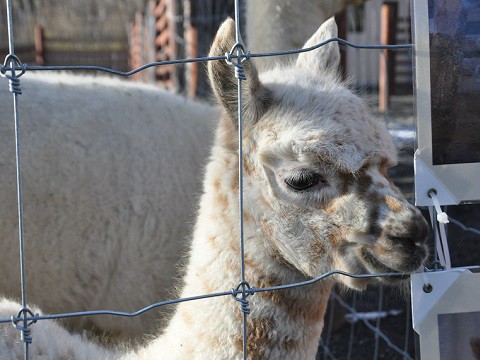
304	180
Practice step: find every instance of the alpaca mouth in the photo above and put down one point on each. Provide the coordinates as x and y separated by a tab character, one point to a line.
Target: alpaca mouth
375	266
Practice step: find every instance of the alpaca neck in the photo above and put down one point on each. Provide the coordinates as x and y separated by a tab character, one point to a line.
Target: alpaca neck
282	324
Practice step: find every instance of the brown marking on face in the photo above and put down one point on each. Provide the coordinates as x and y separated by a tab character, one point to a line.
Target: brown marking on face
330	208
347	180
290	345
374	213
247	217
335	239
364	181
248	167
317	249
382	251
384	171
393	204
267	229
253	149
315	228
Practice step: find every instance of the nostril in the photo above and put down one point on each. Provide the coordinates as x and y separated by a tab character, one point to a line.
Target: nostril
416	234
401	239
423	231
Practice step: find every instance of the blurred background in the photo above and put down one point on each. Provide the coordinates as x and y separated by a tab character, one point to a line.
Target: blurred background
126	34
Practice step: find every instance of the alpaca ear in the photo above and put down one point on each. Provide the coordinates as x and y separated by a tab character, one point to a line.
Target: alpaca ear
325	59
255	97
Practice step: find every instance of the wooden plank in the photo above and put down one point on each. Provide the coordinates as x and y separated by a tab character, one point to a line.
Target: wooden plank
39	48
388	27
161	24
193	67
160	8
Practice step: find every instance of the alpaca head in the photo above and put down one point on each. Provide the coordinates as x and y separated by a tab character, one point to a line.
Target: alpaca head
316	188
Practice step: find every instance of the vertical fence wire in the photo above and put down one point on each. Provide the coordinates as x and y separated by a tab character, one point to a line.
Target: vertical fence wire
240	175
377	324
15	89
327	353
331	319
407	326
352	330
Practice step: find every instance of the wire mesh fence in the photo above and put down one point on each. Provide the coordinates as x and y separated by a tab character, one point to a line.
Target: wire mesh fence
370	316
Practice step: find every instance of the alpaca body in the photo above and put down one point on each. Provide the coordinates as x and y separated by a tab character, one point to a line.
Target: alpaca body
316	198
101	159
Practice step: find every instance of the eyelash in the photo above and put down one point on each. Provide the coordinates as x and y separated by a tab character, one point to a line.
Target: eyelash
304	180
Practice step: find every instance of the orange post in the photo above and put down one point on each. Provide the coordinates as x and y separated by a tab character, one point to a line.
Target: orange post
388	35
39	49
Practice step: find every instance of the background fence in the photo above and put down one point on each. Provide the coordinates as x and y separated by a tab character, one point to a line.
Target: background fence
374	311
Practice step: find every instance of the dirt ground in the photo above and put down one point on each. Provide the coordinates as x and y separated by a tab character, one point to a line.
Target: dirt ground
357	341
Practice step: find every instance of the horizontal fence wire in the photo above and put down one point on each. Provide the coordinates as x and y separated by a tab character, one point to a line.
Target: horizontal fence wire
234	292
464	227
24	67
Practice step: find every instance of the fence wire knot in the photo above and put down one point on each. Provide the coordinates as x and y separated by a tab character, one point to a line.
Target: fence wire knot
13	64
245	290
238	52
21	317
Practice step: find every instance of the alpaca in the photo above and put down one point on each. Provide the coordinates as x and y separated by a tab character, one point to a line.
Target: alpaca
317	198
276	25
111	175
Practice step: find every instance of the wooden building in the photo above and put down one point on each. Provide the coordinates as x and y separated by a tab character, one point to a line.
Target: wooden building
185	29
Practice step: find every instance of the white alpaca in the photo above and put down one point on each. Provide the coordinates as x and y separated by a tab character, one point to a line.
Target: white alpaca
111	175
276	25
316	198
